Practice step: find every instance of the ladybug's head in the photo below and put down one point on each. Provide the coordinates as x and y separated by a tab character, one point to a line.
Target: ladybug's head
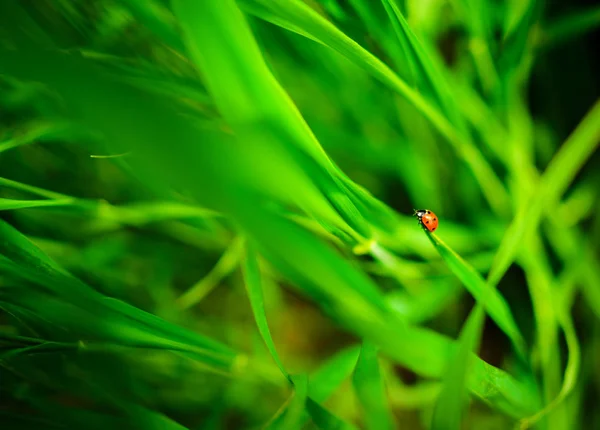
419	212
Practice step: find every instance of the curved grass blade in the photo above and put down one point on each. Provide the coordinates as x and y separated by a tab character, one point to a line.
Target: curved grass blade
134	214
294	413
426	71
226	264
516	11
571	371
327	378
564	29
17	248
321	384
369	386
449	407
447	414
561	308
33	190
495	305
254	290
538	272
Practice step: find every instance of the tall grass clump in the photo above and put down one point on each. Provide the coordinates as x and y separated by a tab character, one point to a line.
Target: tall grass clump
206	214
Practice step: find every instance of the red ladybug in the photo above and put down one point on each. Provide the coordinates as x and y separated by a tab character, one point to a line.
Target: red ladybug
427	219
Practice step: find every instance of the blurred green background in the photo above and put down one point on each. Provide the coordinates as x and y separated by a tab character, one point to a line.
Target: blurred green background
206	214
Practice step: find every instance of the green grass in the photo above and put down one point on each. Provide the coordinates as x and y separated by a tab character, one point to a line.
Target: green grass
206	214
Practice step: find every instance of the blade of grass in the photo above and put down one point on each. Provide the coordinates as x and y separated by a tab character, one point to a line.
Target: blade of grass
226	264
513	60
16	247
327	378
449	407
515	13
254	290
494	303
426	70
563	29
294	414
134	214
373	17
34	190
572	247
320	385
10	204
369	386
534	261
560	309
448	410
571	371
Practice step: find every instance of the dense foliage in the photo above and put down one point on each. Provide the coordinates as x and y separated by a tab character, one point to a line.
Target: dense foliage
206	214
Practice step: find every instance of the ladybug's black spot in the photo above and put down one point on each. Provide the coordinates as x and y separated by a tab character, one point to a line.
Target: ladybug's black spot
435	219
426	222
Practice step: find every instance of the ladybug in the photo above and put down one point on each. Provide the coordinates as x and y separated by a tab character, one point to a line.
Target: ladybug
427	219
